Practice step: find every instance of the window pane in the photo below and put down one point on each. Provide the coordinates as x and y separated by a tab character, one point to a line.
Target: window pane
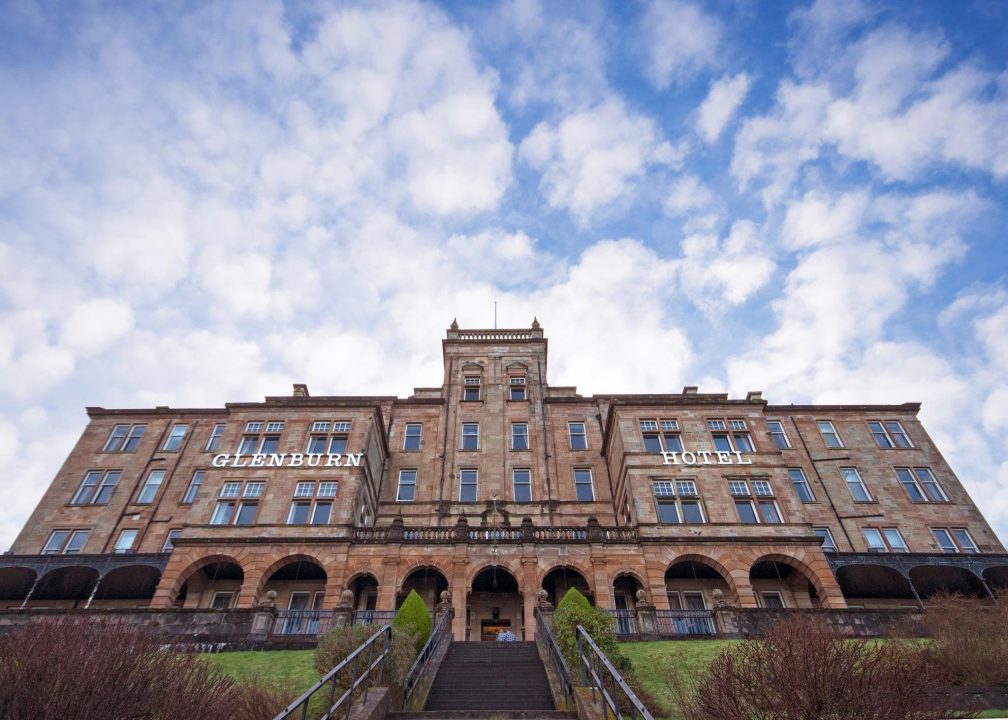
517	392
248	444
691	512
150	487
175	438
411	438
878	432
470	436
773	600
246	514
253	489
874	538
746	512
298	513
87	488
578	439
338	444
651	443
169	543
221	600
944	540
909	484
317	444
522	482
407	486
931	486
744	443
800	483
125	541
467	485
827	539
230	489
215	437
897	434
270	444
519	436
668	513
768	509
115	438
854	483
721	443
77	541
686	487
583	485
966	543
56	541
221	514
778	434
895	540
136	432
673	442
829	434
194	486
327	489
107	487
322	512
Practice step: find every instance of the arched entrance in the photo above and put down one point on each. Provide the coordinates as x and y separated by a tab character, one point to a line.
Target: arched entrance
129	586
15	584
559	580
625	587
299	583
934	579
365	597
691	584
214	583
875	586
429	583
494	604
66	587
779	584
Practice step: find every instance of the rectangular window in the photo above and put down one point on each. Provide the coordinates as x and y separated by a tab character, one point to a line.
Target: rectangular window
829	434
778	435
221	600
884	540
721	442
770	512
124	438
772	600
299	511
269	444
737	425
578	438
855	484
230	490
716	425
274	427
519	436
253	490
521	481
909	483
898	435
406	492
222	513
125	542
316	444
650	436
327	489
78	539
881	436
54	545
762	487
686	488
215	437
150	488
246	513
944	538
321	512
320	426
342	426
174	440
338	443
304	489
247	445
468	480
828	544
921	484
194	485
743	443
964	540
472	389
583	487
875	541
516	387
411	436
692	512
254	427
738	488
954	540
801	485
664	492
169	543
96	488
470	436
746	512
894	539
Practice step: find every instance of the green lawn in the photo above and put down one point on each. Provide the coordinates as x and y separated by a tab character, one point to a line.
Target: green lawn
292	668
654	663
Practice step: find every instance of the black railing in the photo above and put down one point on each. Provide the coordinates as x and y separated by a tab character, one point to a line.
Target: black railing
556	658
372	617
625	621
425	662
599	674
303	622
684	622
367	663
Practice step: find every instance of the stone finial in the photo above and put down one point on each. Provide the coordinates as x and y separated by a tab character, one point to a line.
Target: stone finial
446	596
346	599
642	596
300	390
542	599
535	323
269	599
454	325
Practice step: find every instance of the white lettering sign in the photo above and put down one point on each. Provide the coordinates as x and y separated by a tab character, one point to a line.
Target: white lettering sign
292	460
703	457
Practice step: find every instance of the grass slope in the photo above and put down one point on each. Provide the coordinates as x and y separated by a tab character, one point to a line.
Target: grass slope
292	668
654	663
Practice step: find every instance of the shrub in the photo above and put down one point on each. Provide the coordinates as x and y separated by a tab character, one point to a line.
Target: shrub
573	598
336	645
572	612
414	619
802	668
71	668
970	639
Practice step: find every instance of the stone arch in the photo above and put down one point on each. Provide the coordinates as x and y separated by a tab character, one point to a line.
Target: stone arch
277	565
997	578
712	572
200	564
874	582
428	580
811	575
548	581
434	563
511	567
68	583
359	574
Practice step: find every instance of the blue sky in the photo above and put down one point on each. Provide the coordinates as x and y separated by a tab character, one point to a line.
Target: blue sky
202	203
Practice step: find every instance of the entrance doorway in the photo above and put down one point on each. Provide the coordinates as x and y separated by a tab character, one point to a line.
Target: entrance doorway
494	604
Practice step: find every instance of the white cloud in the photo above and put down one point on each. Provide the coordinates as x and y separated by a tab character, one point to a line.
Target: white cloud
716	273
688	193
721	104
681	38
593	158
92	326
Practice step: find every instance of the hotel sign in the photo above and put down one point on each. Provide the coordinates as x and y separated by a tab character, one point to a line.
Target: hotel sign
287	460
705	457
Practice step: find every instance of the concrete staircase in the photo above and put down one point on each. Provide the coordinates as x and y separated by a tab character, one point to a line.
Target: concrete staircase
490	680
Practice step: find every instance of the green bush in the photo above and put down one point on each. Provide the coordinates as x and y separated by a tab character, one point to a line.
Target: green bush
573	598
337	644
574	610
414	619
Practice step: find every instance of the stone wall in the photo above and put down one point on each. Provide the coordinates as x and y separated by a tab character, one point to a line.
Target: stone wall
866	622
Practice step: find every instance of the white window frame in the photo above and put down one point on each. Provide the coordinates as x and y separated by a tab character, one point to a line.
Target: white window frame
525	434
176	436
583	434
762	488
888	533
122	442
230	490
253	489
148	485
845	473
119	546
67	541
418	435
832	431
327	489
274	427
686	488
515	483
194	487
172	535
917	475
517	382
254	427
752	506
779	433
214	441
462	440
229	594
304	489
738	488
474	484
762	599
400	484
225	509
901	431
296	502
828	542
101	482
469	382
590	483
801	482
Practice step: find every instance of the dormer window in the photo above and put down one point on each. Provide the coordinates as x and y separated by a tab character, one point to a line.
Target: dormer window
472	388
516	388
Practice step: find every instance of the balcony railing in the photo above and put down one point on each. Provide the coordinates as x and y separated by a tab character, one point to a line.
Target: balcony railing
372	617
527	533
303	622
684	622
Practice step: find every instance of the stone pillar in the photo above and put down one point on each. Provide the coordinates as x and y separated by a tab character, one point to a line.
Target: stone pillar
647	620
262	619
603	587
387	588
546	609
343	614
529	590
444	607
459	592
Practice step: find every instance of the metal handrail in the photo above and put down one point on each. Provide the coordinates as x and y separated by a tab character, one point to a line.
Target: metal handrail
592	663
365	653
556	657
441	630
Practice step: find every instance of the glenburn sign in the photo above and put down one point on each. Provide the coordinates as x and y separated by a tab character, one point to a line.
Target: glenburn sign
288	460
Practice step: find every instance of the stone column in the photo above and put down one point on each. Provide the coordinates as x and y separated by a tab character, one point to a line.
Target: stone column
529	590
343	614
647	620
263	617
